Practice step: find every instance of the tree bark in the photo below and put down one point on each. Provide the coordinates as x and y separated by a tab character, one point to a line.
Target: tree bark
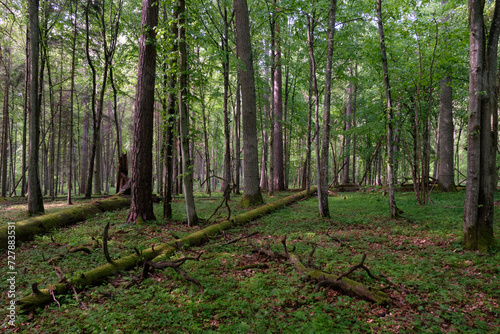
225	71
5	57
71	111
169	82
141	207
324	210
237	143
187	168
313	88
35	199
251	190
482	129
390	115
446	168
278	166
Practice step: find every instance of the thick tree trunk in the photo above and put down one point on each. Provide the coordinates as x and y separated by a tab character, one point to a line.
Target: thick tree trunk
141	207
251	190
187	170
390	115
35	199
482	135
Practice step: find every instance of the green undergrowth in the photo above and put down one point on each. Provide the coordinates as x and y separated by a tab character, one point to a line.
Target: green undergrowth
437	286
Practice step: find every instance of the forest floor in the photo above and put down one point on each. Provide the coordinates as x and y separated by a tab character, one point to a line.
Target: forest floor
438	287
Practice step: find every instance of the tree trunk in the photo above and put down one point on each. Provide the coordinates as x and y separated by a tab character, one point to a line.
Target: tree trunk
141	206
482	135
187	168
227	131
71	110
251	190
35	199
324	210
5	57
390	115
84	153
237	131
25	113
313	89
278	167
446	169
265	120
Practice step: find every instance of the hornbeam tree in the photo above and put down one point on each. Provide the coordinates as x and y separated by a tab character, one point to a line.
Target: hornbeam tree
482	130
141	206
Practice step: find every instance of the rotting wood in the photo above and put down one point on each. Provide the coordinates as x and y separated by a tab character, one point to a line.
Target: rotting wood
341	282
26	229
156	254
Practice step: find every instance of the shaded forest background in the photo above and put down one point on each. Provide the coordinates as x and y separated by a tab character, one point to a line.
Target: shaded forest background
88	68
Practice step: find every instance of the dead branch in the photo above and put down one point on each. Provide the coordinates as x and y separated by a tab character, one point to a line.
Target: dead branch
240	238
356	267
175	264
341	283
333	237
225	199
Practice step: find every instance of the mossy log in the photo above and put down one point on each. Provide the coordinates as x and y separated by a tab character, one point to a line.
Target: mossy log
158	253
344	284
26	229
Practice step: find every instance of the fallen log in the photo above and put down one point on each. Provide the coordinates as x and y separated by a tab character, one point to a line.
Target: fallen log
158	253
26	229
341	282
344	284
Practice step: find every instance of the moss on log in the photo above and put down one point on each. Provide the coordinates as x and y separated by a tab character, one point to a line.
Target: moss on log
156	253
26	229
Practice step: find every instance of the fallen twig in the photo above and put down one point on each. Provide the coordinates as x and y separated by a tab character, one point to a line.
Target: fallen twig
240	238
